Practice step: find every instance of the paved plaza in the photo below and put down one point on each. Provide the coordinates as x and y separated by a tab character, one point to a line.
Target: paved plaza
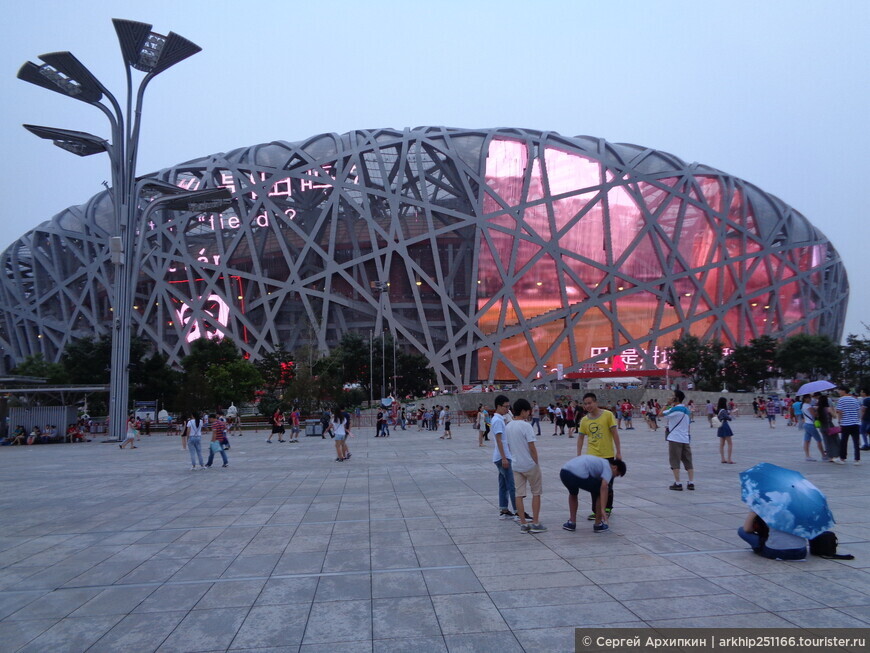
398	549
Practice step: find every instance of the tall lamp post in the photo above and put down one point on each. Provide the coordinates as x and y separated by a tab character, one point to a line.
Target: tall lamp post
150	53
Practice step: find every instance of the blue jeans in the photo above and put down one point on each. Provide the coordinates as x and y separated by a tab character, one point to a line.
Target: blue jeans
506	487
194	446
536	424
211	456
754	541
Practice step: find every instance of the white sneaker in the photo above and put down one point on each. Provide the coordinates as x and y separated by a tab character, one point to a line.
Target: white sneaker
838	461
857	462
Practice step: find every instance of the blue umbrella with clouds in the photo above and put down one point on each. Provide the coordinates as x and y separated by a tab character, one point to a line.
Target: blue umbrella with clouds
785	500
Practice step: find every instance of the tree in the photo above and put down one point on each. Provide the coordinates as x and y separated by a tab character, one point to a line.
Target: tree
855	357
158	381
809	355
236	380
36	365
701	362
749	365
215	374
277	369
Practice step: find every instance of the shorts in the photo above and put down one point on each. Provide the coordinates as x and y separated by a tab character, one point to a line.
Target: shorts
341	437
447	425
680	452
811	433
533	477
575	483
771	418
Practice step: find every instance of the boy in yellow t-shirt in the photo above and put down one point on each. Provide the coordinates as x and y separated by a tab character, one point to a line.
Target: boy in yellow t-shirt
599	426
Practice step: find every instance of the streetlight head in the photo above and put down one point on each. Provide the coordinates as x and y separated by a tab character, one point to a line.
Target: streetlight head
62	73
80	143
149	51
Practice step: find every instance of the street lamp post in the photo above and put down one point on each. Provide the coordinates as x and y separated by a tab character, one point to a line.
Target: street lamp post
150	53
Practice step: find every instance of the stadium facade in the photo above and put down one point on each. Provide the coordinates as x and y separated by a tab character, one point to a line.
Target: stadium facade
498	254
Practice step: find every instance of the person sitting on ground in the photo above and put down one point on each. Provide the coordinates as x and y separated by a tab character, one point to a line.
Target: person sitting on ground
769	542
33	438
18	435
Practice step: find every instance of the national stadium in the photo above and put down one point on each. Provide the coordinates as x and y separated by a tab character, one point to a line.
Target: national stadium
498	254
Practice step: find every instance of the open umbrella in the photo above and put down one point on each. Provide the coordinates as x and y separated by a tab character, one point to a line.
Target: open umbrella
815	386
785	500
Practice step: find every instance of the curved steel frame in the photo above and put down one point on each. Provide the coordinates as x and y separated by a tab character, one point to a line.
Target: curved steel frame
444	237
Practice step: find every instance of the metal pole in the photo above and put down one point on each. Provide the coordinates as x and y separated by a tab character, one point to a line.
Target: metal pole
371	369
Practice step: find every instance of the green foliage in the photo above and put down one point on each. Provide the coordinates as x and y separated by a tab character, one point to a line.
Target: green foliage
855	357
813	356
749	365
277	369
156	380
36	365
235	381
216	374
702	362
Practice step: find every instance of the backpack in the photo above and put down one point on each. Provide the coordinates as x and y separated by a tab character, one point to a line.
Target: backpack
825	546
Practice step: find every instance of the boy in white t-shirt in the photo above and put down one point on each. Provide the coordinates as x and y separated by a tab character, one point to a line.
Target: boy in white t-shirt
521	441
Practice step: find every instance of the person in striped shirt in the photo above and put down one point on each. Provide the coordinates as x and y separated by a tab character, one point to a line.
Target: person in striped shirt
848	415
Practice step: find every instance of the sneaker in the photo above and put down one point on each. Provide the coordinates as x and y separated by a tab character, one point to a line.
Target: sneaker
268	442
193	469
225	465
690	486
600	528
810	460
676	486
347	457
569	526
538	528
504	513
517	517
339	460
591	517
838	461
607	511
857	462
525	528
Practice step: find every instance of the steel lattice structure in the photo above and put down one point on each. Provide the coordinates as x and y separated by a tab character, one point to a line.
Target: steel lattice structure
498	254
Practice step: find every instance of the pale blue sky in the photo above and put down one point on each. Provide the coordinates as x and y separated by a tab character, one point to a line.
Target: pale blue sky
775	92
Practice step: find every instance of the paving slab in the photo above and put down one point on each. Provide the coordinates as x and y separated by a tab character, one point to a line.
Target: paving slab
398	549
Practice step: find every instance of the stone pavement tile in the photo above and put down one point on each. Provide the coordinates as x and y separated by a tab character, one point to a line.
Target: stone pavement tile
172	597
768	595
271	625
451	581
55	605
630	574
502	641
404	618
381	539
423	524
181	551
394	557
393	584
706	565
55	576
13	575
304	542
252	565
554	616
436	537
343	588
855	579
355	527
288	591
434	556
268	649
354	646
824	590
549	596
348	542
200	535
160	536
152	571
11	602
105	573
467	613
410	644
231	594
583	562
15	634
205	630
521	566
710	605
137	552
534	581
138	632
758	619
861	612
351	560
530	552
339	621
824	618
384	525
656	589
72	634
552	640
202	569
115	600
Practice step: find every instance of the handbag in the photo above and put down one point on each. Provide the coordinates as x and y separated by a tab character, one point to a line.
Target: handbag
833	430
215	446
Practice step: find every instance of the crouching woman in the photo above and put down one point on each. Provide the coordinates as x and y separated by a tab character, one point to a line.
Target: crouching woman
769	542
